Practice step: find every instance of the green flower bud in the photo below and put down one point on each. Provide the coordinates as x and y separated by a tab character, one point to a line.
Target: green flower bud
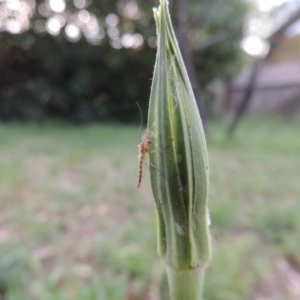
178	157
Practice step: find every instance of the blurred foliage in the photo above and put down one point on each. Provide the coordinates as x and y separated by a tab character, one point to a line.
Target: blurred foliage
97	75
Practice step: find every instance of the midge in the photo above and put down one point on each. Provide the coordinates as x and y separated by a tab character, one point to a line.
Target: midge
144	148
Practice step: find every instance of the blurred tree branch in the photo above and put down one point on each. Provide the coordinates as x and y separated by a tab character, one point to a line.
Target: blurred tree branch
215	39
182	35
199	27
274	40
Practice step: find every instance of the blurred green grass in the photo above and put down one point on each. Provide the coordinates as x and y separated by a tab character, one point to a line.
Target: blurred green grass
74	226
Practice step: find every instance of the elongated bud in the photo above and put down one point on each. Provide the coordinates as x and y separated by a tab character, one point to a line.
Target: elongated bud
179	162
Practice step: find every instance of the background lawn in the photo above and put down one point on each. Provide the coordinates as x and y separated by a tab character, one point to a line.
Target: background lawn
74	226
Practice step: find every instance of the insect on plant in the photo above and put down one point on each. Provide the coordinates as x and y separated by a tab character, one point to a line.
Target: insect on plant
144	148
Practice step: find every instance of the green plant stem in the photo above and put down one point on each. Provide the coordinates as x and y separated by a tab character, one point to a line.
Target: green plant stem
185	285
